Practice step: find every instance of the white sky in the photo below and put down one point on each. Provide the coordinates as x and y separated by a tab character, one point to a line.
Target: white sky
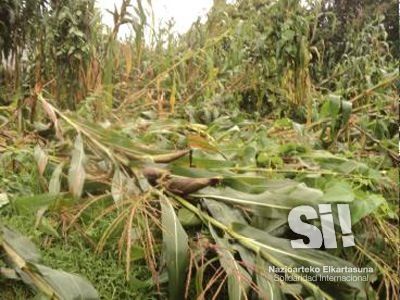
184	12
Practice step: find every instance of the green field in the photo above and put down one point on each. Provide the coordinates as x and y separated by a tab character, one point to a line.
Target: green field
164	165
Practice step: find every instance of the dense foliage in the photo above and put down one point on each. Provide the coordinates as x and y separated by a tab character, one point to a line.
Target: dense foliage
164	166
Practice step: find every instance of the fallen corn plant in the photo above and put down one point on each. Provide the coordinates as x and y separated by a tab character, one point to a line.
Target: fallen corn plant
24	265
180	158
159	211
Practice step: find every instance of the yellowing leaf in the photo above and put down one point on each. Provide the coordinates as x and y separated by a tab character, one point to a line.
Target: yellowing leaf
41	159
55	183
53	117
4	199
172	98
76	174
199	142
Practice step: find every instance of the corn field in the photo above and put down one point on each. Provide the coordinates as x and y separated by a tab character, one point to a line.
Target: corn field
170	166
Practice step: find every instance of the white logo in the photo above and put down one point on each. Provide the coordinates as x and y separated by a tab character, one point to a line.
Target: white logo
328	234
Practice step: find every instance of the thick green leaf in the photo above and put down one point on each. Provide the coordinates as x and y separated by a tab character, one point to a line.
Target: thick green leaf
66	286
30	204
338	191
331	106
268	203
364	204
192	172
256	184
279	250
188	218
245	184
270	225
176	250
224	213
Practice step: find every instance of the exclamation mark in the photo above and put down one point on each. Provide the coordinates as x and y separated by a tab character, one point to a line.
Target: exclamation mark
327	226
345	224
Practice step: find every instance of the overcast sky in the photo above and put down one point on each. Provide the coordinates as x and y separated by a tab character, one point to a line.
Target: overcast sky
184	12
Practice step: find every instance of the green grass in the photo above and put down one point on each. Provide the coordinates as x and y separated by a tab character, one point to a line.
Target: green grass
72	255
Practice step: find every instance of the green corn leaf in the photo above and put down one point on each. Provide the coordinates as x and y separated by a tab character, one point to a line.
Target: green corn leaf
188	218
63	285
55	284
268	203
175	242
279	251
30	204
338	191
365	204
224	213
